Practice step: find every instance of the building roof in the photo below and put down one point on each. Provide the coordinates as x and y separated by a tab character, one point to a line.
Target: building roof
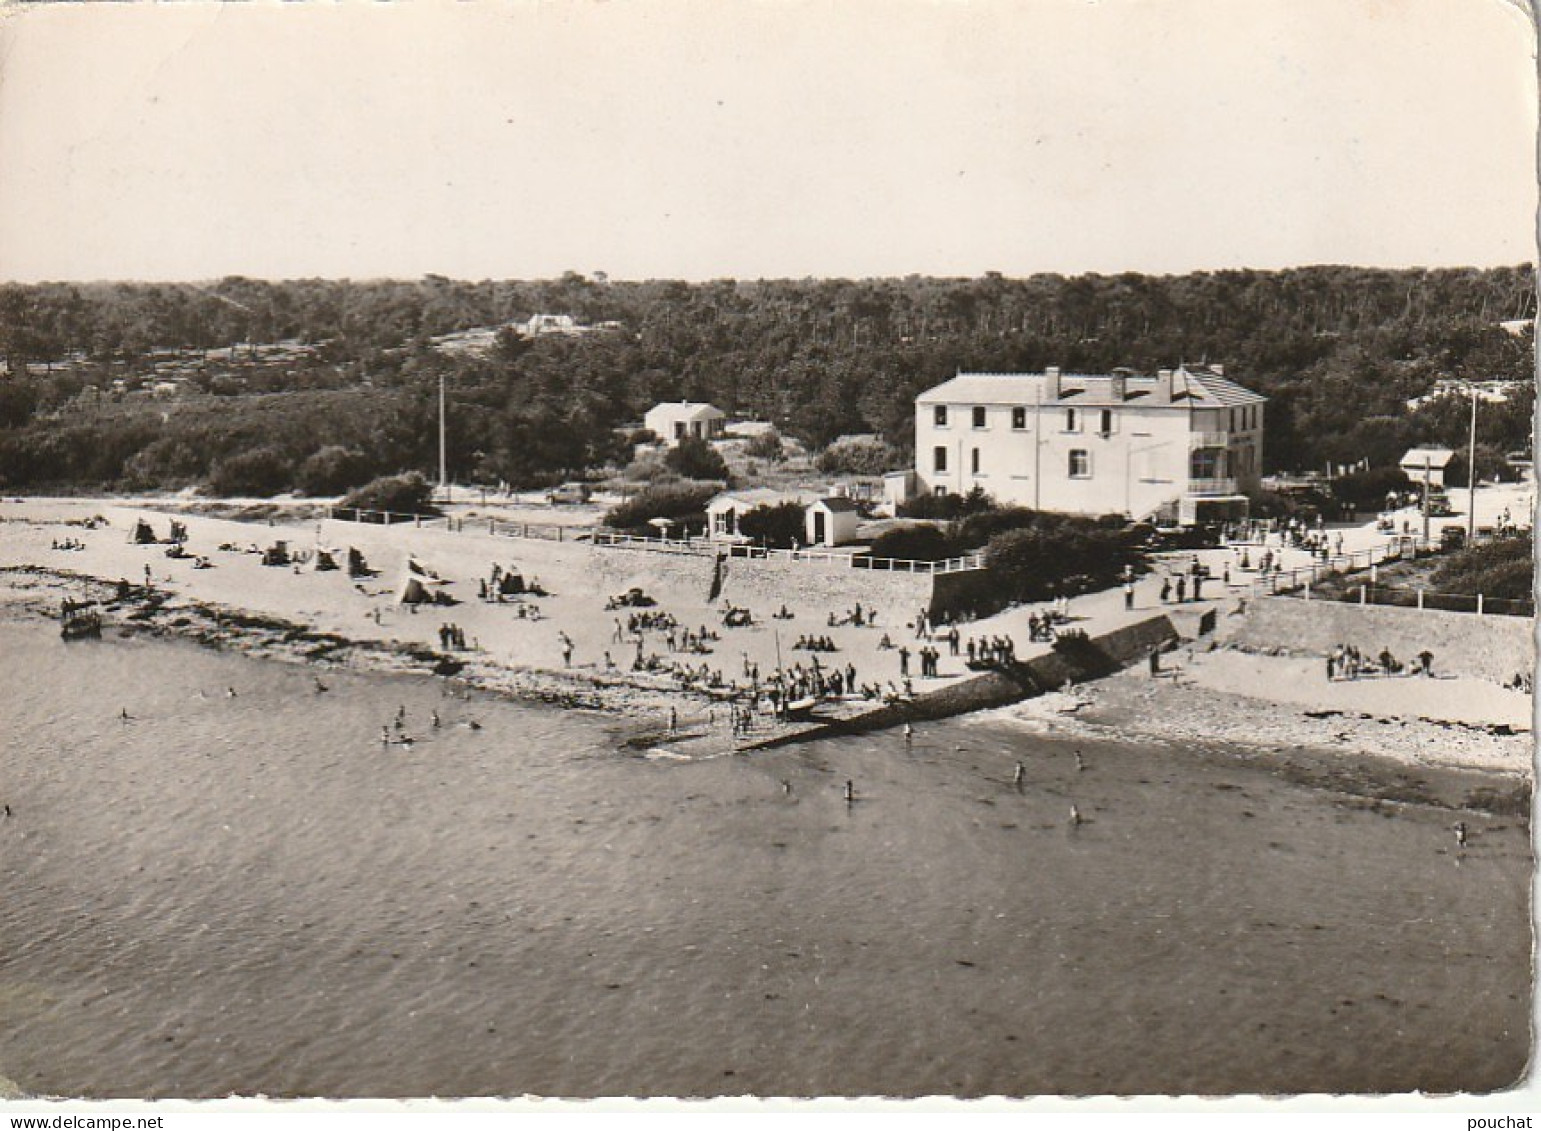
1432	457
689	410
756	497
838	504
1189	388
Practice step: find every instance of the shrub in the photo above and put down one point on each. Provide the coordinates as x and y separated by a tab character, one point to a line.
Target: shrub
776	526
1059	554
684	502
767	445
860	457
694	458
975	530
921	543
1504	568
400	494
333	470
949	505
261	471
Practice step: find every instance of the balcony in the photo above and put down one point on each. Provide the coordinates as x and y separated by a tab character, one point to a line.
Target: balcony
1211	486
1197	440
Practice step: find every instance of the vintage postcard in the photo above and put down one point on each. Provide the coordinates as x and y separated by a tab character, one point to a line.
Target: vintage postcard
776	549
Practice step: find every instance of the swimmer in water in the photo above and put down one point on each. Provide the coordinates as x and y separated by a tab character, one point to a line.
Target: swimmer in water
1460	833
385	736
1075	816
124	715
1016	778
1080	763
321	687
909	731
229	693
786	786
433	719
850	792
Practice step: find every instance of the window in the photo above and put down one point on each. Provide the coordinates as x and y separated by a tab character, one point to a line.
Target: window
1204	464
939	492
1019	418
939	458
941	416
1080	463
974	461
1072	424
1106	426
979	416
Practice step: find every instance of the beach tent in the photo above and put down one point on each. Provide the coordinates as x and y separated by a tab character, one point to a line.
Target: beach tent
412	591
322	561
417	589
357	566
510	583
143	535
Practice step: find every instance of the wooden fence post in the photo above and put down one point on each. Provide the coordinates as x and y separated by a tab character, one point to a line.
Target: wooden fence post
1479	604
1420	597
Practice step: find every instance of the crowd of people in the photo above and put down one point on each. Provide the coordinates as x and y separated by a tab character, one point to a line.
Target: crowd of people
1348	662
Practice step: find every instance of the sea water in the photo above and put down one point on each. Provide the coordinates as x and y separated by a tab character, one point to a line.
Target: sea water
241	889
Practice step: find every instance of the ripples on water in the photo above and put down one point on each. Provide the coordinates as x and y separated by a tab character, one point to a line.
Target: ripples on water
251	894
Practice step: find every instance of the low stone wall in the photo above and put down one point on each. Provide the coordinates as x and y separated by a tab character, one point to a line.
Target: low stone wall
763	585
1098	656
1487	647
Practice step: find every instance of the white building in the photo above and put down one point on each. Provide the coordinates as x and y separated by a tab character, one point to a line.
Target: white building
1427	463
672	421
1184	444
832	521
724	511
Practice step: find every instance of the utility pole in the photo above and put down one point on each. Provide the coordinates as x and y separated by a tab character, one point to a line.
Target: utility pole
1425	498
443	451
1471	473
1038	444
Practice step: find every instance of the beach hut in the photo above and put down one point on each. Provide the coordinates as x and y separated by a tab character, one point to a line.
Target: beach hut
832	521
1427	463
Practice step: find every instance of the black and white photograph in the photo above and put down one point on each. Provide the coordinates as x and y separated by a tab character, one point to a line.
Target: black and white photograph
775	550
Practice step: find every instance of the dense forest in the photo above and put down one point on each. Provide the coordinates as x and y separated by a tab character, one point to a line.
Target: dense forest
1338	350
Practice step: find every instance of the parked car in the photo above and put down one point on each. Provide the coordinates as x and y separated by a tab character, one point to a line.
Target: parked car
1452	537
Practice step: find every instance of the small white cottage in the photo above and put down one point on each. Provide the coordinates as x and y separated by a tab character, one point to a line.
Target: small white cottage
832	521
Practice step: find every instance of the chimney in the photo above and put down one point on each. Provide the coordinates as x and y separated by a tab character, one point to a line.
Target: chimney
1217	370
1052	375
1120	387
1164	384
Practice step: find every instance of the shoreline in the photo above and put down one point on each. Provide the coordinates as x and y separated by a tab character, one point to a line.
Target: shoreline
323	619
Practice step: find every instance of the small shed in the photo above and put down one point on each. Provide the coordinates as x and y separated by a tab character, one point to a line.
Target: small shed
832	521
724	510
1427	463
673	421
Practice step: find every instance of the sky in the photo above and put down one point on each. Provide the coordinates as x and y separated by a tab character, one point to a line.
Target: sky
685	139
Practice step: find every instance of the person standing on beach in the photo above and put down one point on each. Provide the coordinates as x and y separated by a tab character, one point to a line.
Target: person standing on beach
567	649
1182	588
1166	590
904	660
1128	594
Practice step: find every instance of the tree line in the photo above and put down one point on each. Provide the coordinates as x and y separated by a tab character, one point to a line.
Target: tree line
1339	351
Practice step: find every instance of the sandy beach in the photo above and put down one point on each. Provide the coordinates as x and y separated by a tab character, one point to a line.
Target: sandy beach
297	614
1279	704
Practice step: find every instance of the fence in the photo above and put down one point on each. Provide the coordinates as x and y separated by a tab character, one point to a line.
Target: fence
547	531
1290	582
1298	583
1410	598
706	547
